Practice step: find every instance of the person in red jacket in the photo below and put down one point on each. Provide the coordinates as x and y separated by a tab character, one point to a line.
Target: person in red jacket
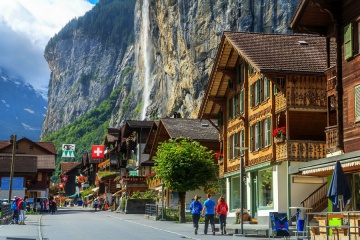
222	210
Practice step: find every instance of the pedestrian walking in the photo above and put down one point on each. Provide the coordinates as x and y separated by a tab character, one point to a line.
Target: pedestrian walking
222	210
15	209
196	209
209	212
52	206
22	209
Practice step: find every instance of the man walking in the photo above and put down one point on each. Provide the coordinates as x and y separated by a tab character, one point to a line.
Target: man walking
209	210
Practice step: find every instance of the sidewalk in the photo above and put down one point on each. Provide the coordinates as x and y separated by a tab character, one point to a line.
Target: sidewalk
29	231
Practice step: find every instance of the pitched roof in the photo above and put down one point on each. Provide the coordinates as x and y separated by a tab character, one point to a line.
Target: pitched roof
46	162
195	129
22	164
68	166
139	124
48	146
281	52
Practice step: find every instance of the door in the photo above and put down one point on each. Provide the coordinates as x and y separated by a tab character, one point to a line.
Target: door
254	194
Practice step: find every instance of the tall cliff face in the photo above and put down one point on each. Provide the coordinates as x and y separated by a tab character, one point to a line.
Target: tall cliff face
182	43
169	61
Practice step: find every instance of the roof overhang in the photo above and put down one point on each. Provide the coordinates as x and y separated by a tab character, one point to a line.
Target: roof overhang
325	166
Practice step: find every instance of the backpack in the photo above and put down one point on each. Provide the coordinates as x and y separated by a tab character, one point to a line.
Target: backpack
13	206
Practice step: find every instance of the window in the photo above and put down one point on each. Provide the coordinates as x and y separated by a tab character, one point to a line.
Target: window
251	138
266	89
265	187
258	135
267	132
235	193
281	82
236	106
357	103
242	142
31	148
348	41
219	119
259	91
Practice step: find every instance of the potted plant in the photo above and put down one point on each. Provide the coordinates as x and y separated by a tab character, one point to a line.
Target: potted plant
279	134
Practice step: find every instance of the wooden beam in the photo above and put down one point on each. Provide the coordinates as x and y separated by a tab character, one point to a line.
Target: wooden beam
228	73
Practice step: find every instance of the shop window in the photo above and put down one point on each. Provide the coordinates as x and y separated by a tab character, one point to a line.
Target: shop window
265	187
235	192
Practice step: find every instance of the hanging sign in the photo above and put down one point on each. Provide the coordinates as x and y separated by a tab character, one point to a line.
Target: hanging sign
68	150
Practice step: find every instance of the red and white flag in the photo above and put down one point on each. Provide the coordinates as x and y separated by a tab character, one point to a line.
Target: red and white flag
98	151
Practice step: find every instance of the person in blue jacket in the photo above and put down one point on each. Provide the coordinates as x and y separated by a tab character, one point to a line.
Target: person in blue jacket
196	209
209	212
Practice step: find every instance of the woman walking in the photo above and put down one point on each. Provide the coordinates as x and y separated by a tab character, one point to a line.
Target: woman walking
196	208
222	210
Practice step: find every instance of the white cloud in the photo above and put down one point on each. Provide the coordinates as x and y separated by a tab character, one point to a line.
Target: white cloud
28	127
29	110
4	102
26	27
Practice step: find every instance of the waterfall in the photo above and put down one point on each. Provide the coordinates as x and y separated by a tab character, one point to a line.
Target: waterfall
145	46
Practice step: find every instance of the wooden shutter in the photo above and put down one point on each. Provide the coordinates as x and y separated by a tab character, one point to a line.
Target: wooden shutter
348	37
251	139
242	101
266	88
357	103
236	144
236	105
251	95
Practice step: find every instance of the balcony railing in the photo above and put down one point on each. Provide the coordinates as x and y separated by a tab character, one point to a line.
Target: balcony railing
332	140
300	150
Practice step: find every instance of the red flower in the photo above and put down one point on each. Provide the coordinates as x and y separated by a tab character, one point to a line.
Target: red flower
279	131
218	155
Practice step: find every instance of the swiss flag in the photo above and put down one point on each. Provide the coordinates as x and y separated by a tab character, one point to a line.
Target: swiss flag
64	178
98	151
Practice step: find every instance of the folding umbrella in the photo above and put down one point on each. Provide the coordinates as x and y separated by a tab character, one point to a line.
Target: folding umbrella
339	190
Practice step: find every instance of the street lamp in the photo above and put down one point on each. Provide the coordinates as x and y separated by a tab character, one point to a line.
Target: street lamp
241	188
13	141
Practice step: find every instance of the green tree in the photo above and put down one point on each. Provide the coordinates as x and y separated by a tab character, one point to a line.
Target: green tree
184	165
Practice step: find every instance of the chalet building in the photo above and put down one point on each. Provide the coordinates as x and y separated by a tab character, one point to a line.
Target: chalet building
268	94
339	21
34	163
72	171
171	128
89	168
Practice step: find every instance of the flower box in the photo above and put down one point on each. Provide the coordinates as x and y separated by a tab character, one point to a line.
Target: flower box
279	139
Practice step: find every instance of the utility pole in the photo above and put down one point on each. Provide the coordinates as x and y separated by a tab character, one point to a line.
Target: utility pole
13	141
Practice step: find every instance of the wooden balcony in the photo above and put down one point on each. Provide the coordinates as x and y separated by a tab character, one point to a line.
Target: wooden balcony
331	78
332	140
300	150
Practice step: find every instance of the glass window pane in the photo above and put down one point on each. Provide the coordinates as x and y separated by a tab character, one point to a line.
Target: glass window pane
265	187
235	193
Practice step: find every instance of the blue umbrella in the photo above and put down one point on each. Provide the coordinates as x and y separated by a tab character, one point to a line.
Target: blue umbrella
338	187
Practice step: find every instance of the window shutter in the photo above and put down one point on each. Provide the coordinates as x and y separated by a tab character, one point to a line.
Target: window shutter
242	141
251	139
357	103
348	48
228	147
251	95
268	131
266	89
260	134
219	119
236	144
242	101
242	74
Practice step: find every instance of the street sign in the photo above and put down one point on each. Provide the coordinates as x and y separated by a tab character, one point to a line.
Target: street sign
98	151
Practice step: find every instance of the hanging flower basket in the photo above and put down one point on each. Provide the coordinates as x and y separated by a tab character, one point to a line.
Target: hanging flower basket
279	134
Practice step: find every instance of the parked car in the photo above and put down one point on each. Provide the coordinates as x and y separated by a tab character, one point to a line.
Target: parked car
4	201
42	204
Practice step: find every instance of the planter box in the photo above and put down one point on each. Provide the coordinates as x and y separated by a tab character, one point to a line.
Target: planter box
279	139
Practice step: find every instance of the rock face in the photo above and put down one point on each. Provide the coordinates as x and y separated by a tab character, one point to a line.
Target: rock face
22	109
165	70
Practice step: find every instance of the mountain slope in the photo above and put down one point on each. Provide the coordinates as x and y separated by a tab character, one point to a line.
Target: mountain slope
22	109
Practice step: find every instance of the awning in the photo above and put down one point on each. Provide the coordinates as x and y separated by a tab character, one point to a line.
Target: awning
95	189
325	166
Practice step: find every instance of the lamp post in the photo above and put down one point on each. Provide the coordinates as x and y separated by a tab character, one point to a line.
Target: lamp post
241	188
13	141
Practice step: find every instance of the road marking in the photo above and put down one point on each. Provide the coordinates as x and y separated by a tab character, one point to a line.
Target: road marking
39	227
181	235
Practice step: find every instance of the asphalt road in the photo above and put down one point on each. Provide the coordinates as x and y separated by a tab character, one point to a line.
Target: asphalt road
73	223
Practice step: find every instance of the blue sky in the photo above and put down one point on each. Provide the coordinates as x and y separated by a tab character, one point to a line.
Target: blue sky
26	27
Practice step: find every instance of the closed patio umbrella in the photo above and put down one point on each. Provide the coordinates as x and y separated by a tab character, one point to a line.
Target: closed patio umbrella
339	190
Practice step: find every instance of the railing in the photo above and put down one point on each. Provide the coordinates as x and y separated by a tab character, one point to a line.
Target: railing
332	138
5	211
315	199
300	150
151	210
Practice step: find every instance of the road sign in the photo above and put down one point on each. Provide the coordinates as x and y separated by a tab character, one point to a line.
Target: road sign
98	151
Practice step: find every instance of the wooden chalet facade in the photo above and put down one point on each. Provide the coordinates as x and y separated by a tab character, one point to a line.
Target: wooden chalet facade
171	128
261	83
34	164
71	170
339	21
